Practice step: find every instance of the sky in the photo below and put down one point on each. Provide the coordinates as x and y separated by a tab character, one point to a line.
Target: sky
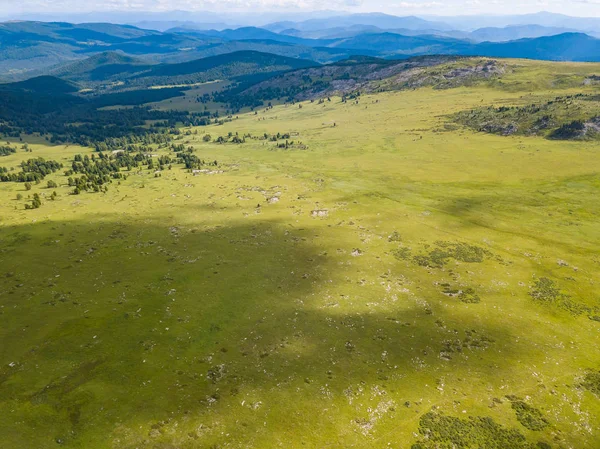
581	8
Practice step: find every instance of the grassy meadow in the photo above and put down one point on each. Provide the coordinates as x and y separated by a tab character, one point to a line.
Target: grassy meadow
393	281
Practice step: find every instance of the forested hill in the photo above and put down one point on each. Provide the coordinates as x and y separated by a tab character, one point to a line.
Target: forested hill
254	60
100	67
227	66
43	85
115	67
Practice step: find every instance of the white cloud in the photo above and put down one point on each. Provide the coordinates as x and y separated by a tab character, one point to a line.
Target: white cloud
446	7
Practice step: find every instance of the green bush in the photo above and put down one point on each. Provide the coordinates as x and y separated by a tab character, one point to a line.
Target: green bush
462	252
529	417
545	290
394	237
591	382
439	431
6	150
469	296
401	253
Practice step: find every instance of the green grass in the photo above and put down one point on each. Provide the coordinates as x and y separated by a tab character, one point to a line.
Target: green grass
173	312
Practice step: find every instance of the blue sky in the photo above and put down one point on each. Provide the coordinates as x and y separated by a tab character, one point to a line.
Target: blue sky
399	7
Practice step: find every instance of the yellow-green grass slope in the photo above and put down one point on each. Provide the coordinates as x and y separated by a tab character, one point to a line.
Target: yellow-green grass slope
338	296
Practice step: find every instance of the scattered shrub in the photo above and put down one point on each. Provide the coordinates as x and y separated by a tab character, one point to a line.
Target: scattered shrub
394	237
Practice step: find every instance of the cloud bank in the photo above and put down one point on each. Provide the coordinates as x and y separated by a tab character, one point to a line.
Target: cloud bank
398	7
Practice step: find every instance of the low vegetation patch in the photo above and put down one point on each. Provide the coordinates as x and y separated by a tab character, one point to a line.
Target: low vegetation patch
469	296
472	341
402	253
591	382
439	431
462	252
529	417
546	291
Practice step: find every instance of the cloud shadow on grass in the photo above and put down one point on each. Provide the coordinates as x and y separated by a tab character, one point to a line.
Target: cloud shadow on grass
111	325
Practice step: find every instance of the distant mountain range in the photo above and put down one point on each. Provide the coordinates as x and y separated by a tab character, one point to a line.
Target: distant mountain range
33	46
514	32
382	21
546	19
562	47
280	20
37	48
489	34
253	33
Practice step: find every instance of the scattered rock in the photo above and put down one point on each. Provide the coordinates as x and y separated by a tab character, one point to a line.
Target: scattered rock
321	213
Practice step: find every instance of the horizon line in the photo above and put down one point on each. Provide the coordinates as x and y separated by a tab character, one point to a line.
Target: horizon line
279	12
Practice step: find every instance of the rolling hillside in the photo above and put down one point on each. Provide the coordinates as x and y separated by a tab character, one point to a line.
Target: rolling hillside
43	85
399	269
